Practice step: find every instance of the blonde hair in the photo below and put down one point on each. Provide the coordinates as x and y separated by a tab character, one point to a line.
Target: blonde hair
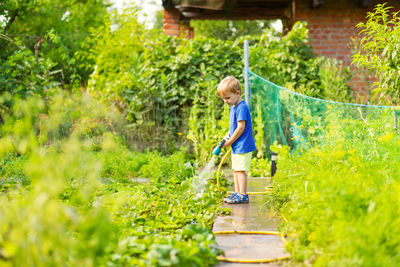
228	84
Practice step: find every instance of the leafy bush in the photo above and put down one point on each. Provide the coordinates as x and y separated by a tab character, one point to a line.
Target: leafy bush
228	29
23	75
338	199
12	171
379	49
335	81
67	213
165	76
158	86
288	60
54	31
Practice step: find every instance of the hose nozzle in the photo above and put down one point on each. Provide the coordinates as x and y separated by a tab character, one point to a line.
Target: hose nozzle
217	149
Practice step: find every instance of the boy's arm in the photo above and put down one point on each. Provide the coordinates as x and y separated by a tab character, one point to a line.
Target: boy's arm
226	137
236	134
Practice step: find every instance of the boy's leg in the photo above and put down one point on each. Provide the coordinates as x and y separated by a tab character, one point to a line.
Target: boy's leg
242	182
240	164
236	181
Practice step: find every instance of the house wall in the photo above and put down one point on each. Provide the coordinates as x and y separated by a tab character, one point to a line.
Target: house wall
332	26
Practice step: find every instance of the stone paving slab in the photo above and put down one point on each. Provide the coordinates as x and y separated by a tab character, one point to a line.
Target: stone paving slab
251	247
252	217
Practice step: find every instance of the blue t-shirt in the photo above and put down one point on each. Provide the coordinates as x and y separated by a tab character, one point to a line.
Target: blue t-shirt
245	143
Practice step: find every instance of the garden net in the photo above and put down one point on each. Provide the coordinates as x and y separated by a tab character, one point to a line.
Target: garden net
303	122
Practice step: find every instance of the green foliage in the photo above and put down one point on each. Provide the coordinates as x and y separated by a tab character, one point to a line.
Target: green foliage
164	221
338	199
188	247
117	55
53	30
208	122
158	24
36	227
379	52
287	60
335	81
258	129
166	85
228	29
12	171
68	197
260	167
21	74
156	88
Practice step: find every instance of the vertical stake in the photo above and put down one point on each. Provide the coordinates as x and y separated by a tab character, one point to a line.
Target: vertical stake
274	156
395	120
246	74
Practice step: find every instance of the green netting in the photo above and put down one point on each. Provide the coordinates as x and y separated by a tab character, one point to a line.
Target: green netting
303	122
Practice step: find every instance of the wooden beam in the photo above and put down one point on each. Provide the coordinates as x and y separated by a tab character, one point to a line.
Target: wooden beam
366	3
317	3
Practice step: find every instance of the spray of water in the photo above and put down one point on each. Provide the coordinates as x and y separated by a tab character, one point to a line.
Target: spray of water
200	182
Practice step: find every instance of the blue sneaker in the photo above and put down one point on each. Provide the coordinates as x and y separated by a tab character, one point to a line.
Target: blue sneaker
239	199
227	199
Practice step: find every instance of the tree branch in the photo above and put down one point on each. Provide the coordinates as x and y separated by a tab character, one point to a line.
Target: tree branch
10	21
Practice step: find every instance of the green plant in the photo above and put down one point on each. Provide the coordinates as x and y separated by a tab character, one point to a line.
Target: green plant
82	206
260	167
287	60
334	81
379	47
53	31
12	171
331	196
259	129
23	75
228	29
207	126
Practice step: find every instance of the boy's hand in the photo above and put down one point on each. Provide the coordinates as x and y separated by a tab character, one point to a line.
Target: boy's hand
236	134
227	143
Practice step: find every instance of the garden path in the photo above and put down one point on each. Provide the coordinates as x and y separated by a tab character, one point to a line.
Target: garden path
250	217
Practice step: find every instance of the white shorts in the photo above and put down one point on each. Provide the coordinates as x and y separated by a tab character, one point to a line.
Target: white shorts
241	162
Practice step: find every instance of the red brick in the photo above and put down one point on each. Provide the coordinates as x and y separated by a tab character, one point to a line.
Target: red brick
170	20
344	52
172	32
171	26
328	53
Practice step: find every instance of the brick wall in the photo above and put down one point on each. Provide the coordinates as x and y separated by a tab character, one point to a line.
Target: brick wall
332	27
175	25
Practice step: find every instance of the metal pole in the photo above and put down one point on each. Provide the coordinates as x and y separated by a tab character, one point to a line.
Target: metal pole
395	120
246	74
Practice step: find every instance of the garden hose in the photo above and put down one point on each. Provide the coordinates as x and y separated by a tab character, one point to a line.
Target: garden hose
220	258
219	168
253	193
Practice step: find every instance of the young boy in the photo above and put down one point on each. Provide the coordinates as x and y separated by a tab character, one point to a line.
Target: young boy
240	137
